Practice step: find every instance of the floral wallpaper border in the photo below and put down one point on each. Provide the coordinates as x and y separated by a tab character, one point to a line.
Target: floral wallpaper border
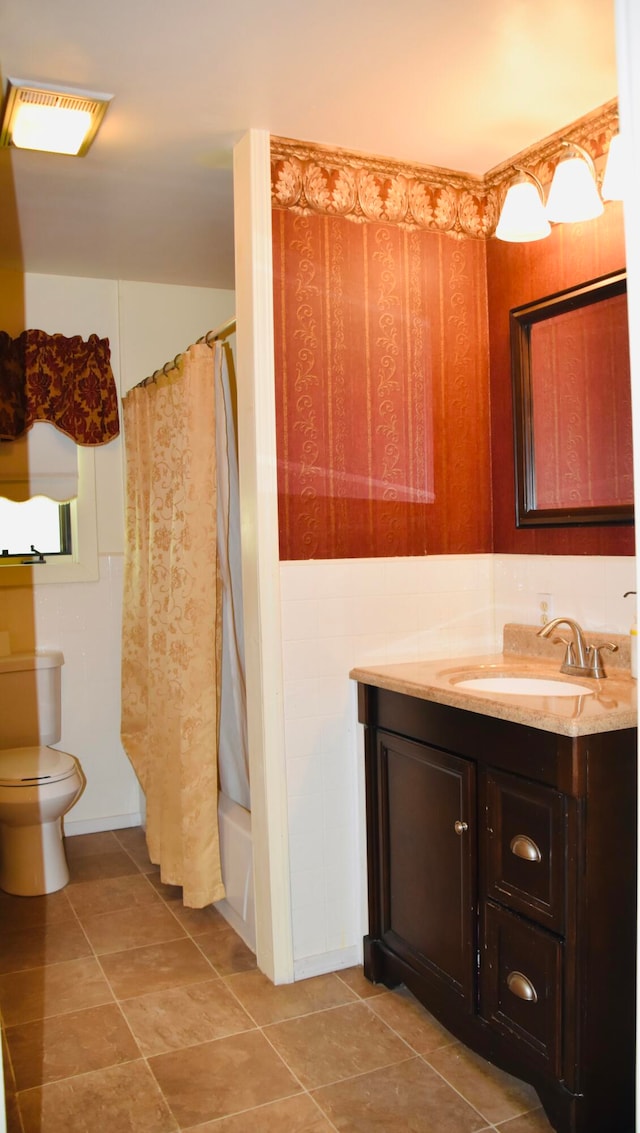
308	178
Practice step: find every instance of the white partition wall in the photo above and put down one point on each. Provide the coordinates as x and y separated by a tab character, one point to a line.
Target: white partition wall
260	566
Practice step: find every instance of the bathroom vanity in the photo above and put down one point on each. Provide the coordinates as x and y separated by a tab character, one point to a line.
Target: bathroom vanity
501	838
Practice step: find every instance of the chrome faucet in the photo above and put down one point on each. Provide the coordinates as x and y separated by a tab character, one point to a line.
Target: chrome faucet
580	659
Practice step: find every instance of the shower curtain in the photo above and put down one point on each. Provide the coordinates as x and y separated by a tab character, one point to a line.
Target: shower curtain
233	751
172	619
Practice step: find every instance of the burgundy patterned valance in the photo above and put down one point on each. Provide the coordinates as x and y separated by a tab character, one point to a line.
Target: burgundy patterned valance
66	381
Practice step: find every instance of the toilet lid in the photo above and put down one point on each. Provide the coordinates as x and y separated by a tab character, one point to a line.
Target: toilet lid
28	766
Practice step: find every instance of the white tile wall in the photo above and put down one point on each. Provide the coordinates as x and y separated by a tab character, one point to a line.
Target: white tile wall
84	620
589	589
338	614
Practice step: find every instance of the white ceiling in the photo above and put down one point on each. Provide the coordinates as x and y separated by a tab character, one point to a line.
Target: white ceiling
462	84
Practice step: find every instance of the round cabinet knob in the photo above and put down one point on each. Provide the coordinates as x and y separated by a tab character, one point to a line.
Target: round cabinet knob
460	827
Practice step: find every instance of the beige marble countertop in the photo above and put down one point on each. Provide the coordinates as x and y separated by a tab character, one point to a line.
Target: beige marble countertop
611	706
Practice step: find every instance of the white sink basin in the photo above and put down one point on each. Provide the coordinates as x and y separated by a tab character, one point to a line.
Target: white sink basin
523	686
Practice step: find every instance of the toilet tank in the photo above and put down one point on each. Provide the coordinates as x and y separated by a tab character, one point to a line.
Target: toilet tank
30	707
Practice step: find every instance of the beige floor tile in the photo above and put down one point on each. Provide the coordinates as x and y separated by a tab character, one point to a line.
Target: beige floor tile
12	1114
92	866
70	1044
198	921
86	845
167	892
534	1122
219	1078
133	840
193	1005
330	1045
131	836
185	1016
407	1098
157	967
108	894
53	990
28	912
293	1115
44	944
358	982
128	928
122	1099
226	951
412	1021
269	1004
11	1110
498	1096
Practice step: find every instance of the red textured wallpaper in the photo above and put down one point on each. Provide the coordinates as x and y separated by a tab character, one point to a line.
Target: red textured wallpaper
518	274
382	389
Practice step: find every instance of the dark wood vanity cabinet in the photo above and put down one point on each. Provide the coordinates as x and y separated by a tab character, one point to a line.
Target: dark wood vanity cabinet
502	892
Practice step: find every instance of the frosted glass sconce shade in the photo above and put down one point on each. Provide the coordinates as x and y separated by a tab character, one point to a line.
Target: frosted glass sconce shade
614	174
574	195
523	218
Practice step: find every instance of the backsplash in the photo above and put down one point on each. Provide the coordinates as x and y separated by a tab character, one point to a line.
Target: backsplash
525	640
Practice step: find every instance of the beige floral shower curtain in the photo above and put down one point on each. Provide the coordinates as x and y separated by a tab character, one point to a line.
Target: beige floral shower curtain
172	620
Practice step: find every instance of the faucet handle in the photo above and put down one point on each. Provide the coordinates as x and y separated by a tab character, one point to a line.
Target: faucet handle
595	660
569	656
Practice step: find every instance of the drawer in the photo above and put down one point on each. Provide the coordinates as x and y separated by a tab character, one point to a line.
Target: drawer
521	985
523	848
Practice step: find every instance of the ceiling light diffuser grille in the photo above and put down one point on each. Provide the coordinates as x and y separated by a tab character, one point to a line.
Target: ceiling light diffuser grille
30	97
63	101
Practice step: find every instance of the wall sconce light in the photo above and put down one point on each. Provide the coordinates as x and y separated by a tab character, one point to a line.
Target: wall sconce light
523	218
44	116
574	195
614	174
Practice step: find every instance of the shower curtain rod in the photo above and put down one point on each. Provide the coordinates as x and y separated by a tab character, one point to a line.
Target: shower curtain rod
220	335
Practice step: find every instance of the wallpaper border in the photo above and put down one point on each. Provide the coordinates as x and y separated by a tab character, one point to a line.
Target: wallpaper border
310	178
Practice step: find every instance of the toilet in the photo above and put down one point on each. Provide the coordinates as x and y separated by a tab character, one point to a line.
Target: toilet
38	783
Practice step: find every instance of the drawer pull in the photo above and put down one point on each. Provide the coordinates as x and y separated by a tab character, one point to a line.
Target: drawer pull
460	827
524	847
522	987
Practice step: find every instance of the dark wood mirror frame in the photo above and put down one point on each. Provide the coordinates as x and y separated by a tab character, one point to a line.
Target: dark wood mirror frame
531	510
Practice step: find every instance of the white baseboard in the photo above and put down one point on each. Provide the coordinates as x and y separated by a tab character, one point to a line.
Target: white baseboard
97	825
327	962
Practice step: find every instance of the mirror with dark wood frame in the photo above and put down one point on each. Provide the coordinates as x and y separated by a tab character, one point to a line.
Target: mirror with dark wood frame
572	406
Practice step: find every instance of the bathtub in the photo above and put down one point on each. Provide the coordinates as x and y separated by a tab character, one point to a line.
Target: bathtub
236	854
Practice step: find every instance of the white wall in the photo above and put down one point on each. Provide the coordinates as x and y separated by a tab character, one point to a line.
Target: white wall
589	589
146	324
338	614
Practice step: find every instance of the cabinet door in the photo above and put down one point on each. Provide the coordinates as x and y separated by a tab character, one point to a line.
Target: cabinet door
523	847
427	822
521	985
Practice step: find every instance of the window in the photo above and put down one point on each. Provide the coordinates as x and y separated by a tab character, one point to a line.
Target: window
37	526
74	526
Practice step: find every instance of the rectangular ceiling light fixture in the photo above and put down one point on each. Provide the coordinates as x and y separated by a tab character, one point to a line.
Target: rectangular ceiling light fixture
44	116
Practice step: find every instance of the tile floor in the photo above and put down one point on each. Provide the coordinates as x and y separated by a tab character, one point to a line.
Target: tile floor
123	1012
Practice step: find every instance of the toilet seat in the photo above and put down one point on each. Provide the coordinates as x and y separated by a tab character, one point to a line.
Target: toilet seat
34	766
